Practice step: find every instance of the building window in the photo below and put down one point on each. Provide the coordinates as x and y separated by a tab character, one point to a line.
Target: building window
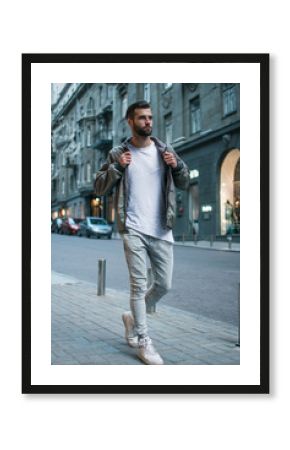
82	173
110	129
195	115
110	92
62	186
101	129
82	138
147	92
78	176
100	95
72	183
72	125
91	106
229	99
168	128
89	172
89	142
124	102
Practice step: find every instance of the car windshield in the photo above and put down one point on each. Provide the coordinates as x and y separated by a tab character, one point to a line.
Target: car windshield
98	221
71	221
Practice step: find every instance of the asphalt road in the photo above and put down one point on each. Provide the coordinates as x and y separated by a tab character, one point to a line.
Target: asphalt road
204	281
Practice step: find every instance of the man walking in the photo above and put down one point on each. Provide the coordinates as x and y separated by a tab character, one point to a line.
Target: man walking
144	172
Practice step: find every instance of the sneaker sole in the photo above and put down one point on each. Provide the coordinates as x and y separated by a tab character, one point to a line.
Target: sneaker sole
144	360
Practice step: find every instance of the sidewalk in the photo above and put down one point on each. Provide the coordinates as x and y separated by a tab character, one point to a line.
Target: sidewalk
226	246
215	245
88	329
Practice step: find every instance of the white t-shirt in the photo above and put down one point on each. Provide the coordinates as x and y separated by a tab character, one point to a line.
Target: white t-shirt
146	210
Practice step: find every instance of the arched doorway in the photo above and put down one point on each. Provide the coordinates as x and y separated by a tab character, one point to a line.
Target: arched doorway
230	193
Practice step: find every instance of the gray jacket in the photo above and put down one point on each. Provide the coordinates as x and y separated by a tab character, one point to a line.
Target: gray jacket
113	175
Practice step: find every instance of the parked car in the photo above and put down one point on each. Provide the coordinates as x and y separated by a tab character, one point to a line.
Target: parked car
95	226
56	225
69	226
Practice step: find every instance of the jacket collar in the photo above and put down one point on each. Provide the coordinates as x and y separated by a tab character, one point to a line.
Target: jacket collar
159	144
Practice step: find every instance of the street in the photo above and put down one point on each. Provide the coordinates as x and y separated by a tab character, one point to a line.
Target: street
205	282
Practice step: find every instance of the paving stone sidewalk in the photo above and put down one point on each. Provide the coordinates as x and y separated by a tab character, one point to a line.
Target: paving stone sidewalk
88	329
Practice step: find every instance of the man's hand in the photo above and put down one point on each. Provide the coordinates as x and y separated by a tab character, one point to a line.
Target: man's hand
170	159
125	159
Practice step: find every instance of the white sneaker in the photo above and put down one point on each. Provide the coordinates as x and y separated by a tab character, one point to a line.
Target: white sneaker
129	329
147	352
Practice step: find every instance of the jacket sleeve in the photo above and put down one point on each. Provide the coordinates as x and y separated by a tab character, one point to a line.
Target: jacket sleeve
180	174
108	176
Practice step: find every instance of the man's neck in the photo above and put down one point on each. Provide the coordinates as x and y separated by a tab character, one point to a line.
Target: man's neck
141	141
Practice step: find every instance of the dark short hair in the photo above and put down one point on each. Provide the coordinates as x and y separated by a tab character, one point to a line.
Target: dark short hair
137	105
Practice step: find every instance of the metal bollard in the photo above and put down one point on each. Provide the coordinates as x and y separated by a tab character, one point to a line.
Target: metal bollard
211	240
195	239
239	310
101	277
150	280
230	242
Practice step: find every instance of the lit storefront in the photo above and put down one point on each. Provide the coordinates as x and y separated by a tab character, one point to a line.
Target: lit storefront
230	193
212	203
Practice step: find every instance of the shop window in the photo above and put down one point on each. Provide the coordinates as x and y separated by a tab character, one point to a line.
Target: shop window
230	193
194	207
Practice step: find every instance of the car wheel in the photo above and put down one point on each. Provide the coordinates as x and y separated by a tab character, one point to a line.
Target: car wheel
88	234
109	236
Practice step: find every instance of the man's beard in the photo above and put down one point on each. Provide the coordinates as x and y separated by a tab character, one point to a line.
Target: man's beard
146	131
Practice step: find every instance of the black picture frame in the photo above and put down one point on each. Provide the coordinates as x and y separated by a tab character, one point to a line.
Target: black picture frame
262	60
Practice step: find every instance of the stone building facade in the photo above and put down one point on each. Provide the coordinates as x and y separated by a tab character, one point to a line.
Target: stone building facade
81	136
201	121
